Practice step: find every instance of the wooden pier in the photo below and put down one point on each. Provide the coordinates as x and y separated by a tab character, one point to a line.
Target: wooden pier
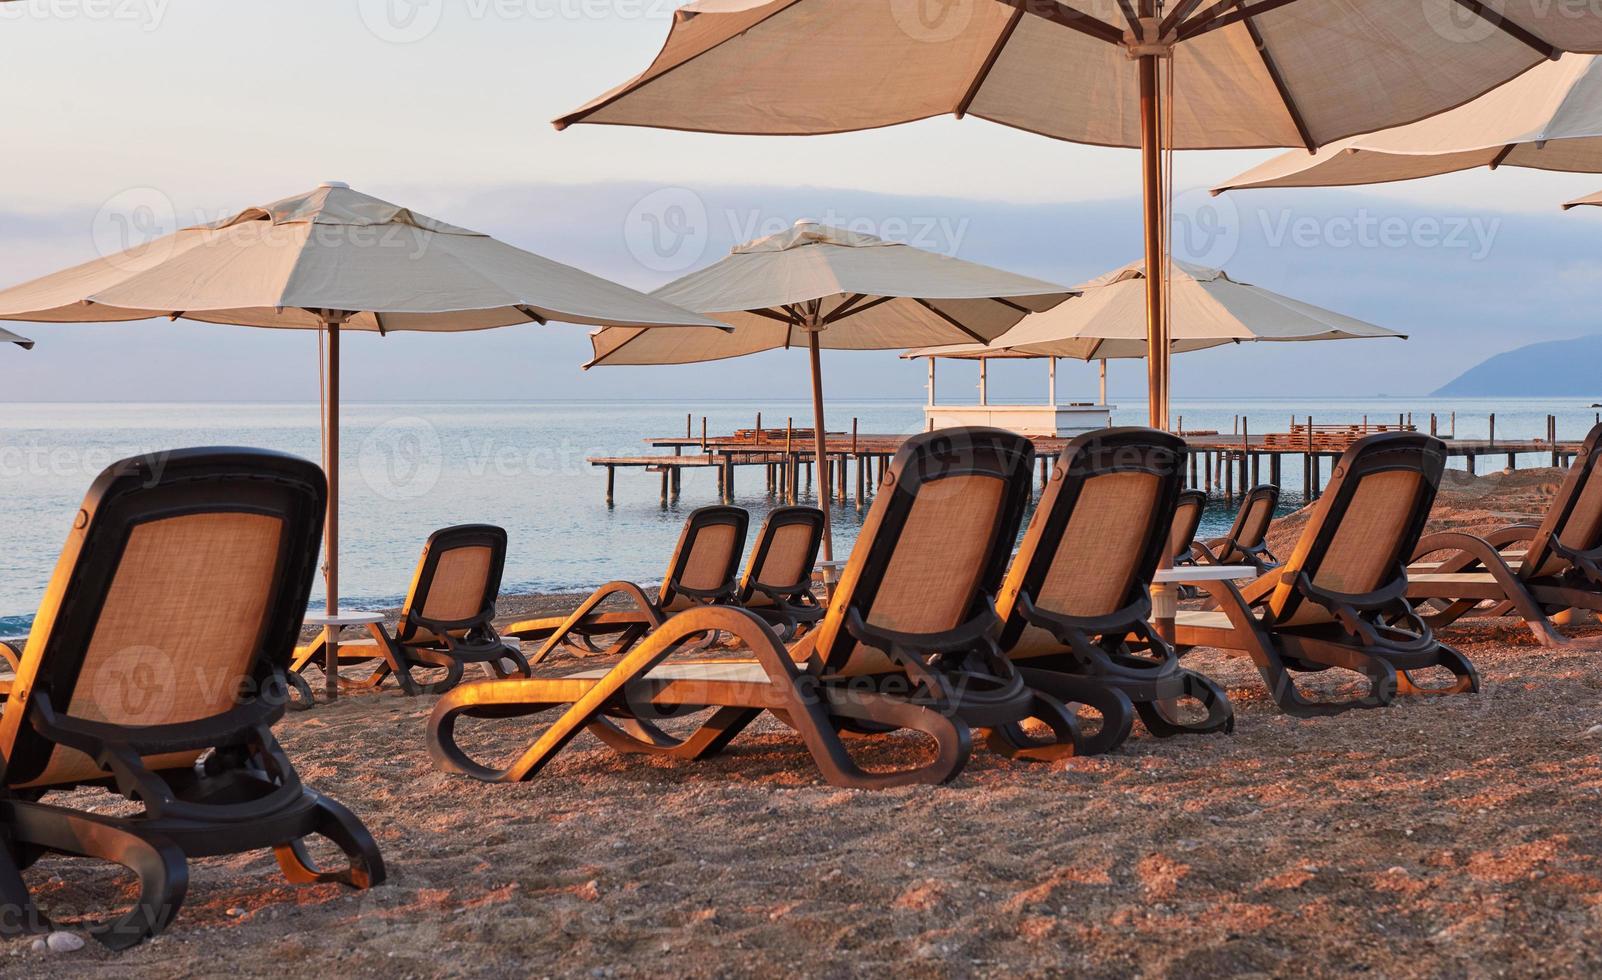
1226	465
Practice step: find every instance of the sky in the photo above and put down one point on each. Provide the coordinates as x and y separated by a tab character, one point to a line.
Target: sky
134	117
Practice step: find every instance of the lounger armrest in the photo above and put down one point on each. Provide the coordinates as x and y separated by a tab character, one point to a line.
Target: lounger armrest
962	637
1512	534
12	656
1204	554
530	628
1460	543
93	738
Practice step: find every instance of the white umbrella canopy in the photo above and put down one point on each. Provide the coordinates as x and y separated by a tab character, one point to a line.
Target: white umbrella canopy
1550	118
1107	319
7	337
871	294
375	265
335	259
1241	74
815	286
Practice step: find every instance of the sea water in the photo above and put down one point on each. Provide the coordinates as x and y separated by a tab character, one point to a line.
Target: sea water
410	468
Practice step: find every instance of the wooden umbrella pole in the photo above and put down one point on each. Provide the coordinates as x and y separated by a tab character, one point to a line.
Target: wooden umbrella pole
331	524
1152	190
819	434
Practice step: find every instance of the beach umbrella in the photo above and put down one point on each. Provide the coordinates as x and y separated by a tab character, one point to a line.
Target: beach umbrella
1106	319
1547	119
1239	74
1594	200
335	260
815	286
7	337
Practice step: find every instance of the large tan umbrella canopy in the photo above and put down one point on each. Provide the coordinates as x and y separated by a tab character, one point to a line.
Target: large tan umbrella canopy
334	259
1547	119
1242	74
815	286
7	337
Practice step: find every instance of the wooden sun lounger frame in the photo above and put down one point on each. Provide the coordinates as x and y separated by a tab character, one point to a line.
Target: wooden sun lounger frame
1115	663
1484	575
420	643
943	684
245	795
581	627
1376	633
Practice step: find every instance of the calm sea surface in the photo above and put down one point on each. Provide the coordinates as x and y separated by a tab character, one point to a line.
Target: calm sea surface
411	468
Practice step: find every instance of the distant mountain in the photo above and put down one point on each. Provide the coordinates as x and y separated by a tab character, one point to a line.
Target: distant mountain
1561	368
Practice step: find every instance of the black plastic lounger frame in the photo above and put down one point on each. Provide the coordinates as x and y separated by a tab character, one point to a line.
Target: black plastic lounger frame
1246	543
1113	661
244	795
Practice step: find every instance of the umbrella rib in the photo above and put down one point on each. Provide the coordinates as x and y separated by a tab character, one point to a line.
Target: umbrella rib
1502	155
1508	26
844	309
529	312
865	307
1177	15
1219	15
1011	305
1063	16
949	319
638	333
1285	96
1132	18
990	62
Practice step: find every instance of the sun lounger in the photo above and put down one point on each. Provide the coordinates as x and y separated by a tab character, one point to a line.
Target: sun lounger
1188	512
907	643
702	572
1076	603
446	624
1246	543
1529	570
12	655
155	671
1339	600
777	585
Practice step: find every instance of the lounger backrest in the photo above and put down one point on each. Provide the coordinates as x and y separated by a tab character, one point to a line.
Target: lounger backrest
1574	516
785	552
458	579
935	543
1364	527
1188	511
1255	516
179	594
1099	529
707	557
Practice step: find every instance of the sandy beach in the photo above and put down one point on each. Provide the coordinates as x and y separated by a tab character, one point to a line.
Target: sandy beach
1446	837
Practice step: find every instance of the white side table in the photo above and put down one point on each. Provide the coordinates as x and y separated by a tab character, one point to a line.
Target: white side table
332	626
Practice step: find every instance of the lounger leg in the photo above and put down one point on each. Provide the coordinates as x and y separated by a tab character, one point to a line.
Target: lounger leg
1159	719
1116	710
1012	742
159	864
339	825
1382	680
642	738
302	698
809	717
1466	680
